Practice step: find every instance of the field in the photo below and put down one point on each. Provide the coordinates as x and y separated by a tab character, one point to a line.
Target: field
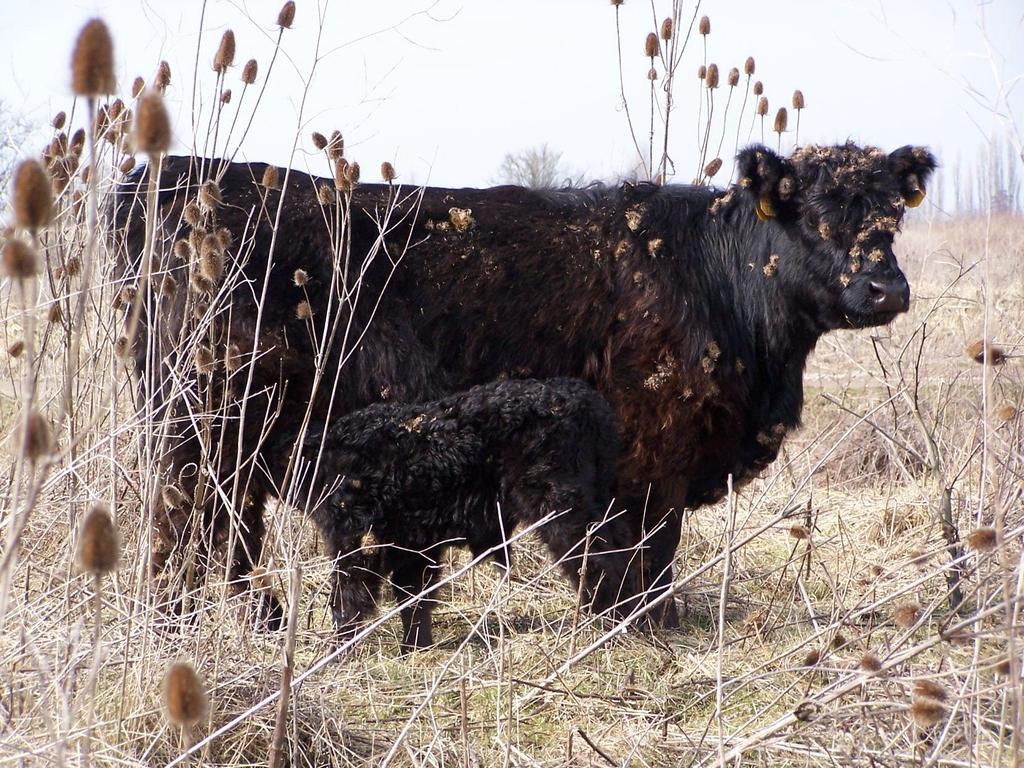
858	604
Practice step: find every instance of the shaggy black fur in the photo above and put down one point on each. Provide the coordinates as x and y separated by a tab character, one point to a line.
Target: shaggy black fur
692	310
468	469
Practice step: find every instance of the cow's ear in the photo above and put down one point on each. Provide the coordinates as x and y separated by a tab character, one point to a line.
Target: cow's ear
912	167
770	180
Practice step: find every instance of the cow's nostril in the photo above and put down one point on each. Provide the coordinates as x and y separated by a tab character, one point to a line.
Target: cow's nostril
889	296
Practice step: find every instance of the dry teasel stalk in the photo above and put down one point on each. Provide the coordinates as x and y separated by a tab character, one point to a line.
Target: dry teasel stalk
19	259
163	77
225	55
652	47
152	125
319	140
92	62
748	66
271	178
704	27
33	196
666	29
185	696
286	16
983	539
249	72
387	171
99	546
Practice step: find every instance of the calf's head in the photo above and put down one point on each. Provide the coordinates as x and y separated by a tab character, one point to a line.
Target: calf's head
840	208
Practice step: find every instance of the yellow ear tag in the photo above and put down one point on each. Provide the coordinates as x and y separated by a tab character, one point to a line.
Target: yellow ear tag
915	198
764	208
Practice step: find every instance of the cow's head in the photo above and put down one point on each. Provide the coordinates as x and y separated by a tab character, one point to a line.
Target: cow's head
841	207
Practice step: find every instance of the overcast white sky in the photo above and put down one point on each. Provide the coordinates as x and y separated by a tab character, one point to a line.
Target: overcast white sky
445	89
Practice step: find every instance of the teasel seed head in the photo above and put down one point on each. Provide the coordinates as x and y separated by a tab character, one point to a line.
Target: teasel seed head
666	29
286	16
1006	412
711	81
92	62
748	66
713	167
152	125
122	350
77	141
869	662
927	712
930	689
16	349
172	497
99	545
734	77
325	194
652	47
73	266
168	286
907	615
702	72
138	86
1003	667
799	532
341	174
336	145
249	72
704	27
652	74
39	440
211	258
20	260
758	87
303	311
798	99
319	140
387	171
762	106
300	277
225	96
987	354
209	195
812	657
163	77
204	360
352	173
616	3
201	284
983	539
271	177
58	120
185	696
781	119
225	55
193	215
33	196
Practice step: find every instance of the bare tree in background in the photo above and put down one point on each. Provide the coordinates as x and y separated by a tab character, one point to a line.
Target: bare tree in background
538	167
14	132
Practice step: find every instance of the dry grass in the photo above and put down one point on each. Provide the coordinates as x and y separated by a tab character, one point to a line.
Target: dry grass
798	646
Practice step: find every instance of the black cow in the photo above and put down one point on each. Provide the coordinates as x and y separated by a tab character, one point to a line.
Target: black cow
693	310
